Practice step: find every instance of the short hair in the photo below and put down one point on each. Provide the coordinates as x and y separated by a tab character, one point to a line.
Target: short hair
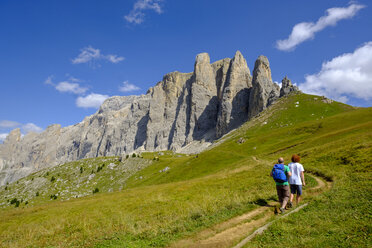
295	158
280	160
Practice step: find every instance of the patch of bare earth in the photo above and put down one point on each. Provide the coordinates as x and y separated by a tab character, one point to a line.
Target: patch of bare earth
229	232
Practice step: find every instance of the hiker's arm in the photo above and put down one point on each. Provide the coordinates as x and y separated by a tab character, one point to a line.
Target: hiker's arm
289	173
303	178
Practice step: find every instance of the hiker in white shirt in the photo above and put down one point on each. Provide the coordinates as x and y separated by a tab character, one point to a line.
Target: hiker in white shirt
296	180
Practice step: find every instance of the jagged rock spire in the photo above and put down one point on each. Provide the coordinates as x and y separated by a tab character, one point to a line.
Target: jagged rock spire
234	103
264	91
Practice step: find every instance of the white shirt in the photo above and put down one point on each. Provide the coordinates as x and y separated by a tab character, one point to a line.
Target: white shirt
296	169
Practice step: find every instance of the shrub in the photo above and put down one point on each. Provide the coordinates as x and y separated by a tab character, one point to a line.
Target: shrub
54	197
81	170
100	167
6	187
26	202
133	155
52	179
15	202
37	193
127	156
96	190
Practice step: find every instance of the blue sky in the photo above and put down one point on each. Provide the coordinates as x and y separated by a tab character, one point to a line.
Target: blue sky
60	59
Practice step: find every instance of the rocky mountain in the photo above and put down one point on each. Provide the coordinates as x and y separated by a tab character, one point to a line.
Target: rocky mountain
184	112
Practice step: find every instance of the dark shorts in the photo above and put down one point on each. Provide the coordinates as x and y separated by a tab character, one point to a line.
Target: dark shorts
296	189
283	192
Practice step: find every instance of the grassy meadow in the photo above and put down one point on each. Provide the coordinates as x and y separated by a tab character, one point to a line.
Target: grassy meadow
153	207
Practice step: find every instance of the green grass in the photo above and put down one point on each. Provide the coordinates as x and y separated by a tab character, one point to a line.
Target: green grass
156	207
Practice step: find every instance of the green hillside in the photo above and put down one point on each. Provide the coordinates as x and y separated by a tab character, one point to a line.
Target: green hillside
177	196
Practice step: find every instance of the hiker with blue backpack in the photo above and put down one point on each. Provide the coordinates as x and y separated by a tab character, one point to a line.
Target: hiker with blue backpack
280	174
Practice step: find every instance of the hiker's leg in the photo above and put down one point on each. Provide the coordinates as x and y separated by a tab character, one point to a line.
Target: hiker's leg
285	195
293	192
279	193
299	193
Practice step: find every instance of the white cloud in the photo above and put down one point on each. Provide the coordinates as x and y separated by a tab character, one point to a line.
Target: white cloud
70	87
137	15
127	87
31	127
87	54
306	30
49	80
90	54
91	101
9	124
3	137
345	76
114	58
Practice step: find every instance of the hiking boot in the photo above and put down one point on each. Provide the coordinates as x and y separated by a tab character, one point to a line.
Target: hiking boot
290	205
282	211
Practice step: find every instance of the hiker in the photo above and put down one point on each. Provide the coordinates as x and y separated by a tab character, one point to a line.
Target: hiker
296	180
280	173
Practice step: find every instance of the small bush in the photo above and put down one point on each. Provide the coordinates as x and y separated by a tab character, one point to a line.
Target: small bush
127	156
47	174
52	179
26	202
96	190
53	197
81	170
133	155
15	202
6	187
100	167
37	193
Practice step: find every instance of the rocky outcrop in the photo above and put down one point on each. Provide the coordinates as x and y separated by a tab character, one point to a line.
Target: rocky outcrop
264	91
183	112
287	87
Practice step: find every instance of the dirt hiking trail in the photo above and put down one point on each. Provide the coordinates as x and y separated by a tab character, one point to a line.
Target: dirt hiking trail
238	231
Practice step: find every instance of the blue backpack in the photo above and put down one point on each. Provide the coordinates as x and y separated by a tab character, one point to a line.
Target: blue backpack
279	174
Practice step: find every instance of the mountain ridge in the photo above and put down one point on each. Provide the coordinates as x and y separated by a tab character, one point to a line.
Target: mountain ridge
184	112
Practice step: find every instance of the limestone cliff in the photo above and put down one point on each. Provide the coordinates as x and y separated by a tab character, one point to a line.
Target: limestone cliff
184	112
